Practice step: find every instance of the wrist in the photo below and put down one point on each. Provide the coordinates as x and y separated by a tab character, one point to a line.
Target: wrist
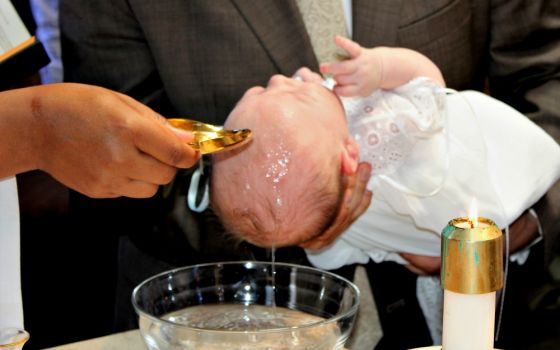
380	56
39	126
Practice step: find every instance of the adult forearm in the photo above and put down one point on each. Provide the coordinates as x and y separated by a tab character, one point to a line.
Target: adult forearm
18	131
94	140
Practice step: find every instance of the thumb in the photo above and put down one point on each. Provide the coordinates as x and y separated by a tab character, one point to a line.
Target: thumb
184	135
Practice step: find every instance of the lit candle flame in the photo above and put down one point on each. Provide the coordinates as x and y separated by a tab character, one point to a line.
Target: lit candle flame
473	213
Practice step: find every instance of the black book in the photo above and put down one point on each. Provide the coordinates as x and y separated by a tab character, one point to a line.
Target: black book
21	55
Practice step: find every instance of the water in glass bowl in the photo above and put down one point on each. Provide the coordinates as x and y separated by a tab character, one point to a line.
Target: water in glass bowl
251	327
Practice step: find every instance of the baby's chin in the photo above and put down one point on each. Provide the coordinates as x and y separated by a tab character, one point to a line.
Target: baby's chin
266	242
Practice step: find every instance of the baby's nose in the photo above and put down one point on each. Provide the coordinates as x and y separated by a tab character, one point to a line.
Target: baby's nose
254	90
278	79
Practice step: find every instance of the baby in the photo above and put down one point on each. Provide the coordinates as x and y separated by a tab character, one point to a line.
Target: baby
283	188
431	153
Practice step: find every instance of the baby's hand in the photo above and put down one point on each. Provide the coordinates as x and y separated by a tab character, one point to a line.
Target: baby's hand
359	75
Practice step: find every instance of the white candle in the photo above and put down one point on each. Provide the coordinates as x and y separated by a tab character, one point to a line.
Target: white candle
471	275
468	321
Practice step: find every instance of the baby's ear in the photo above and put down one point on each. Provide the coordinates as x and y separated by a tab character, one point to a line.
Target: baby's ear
349	157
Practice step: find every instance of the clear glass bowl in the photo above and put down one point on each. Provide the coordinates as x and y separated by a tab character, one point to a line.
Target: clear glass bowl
246	305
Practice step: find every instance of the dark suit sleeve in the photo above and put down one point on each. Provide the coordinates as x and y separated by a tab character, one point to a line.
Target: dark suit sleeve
103	44
525	59
525	73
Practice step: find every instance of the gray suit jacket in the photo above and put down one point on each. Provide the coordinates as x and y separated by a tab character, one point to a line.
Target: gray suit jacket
195	58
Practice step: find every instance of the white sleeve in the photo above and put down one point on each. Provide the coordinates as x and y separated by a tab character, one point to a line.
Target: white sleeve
11	309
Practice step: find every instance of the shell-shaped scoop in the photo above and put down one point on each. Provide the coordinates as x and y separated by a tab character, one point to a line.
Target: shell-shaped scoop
210	138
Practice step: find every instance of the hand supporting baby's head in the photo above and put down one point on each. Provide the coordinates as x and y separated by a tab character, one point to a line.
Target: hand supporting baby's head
283	187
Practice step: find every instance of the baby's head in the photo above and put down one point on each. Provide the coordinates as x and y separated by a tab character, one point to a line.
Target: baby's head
284	186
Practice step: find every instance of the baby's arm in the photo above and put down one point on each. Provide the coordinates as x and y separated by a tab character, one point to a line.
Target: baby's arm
378	68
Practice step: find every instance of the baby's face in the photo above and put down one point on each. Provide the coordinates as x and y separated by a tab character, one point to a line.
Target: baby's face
288	101
264	191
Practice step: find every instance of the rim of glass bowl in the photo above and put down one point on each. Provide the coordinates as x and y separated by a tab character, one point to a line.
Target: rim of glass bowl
335	318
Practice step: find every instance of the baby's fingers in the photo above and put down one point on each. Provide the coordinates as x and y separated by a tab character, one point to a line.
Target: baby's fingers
352	47
347	90
338	68
348	66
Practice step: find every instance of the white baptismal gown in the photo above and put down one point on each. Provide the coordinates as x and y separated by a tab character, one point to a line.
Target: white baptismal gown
432	152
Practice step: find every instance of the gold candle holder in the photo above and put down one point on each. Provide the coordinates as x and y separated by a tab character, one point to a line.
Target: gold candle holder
471	256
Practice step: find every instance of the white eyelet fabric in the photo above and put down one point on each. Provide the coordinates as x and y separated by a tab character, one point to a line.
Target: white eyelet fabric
388	123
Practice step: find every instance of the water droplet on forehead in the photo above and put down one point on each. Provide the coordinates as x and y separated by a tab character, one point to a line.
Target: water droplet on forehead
278	167
278	159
